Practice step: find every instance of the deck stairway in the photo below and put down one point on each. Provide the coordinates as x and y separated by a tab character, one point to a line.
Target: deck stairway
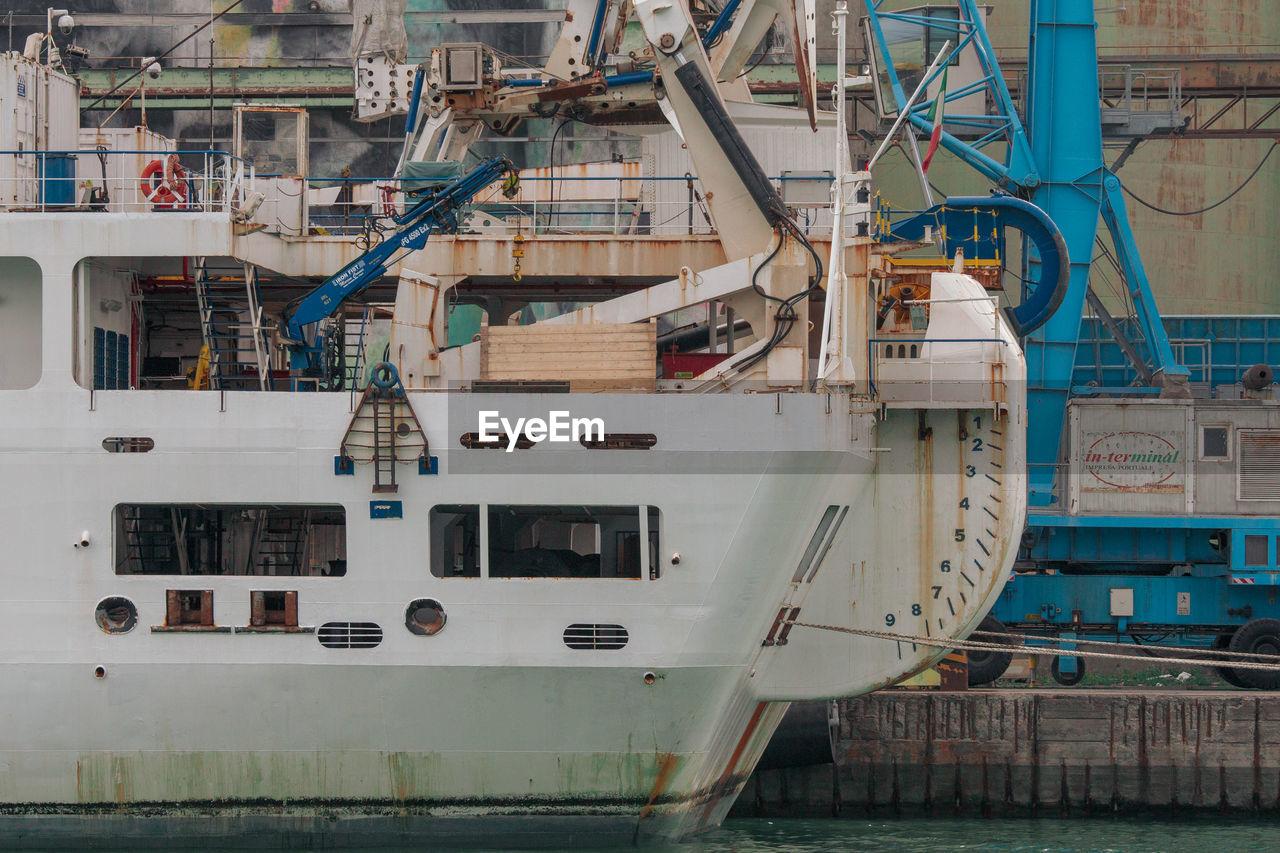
153	538
280	541
231	325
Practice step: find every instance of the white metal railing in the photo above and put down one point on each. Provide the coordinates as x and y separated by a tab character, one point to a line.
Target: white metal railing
128	181
1142	90
623	205
207	181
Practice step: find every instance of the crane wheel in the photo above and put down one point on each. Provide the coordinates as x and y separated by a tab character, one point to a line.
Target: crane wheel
986	666
1067	679
1226	673
1259	637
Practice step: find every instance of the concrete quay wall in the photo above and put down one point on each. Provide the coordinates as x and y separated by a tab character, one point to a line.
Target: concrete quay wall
1006	752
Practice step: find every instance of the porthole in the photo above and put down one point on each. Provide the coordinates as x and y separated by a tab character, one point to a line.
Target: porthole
116	615
472	441
127	444
620	441
424	617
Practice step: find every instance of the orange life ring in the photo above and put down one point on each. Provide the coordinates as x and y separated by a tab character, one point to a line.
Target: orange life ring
171	188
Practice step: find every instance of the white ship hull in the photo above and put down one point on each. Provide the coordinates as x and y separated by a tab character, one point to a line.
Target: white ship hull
156	735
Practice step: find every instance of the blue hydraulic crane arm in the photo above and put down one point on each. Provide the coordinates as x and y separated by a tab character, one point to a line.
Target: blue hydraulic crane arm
1009	212
437	212
722	23
597	27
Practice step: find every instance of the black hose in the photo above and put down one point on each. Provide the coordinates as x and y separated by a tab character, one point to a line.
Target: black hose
1232	194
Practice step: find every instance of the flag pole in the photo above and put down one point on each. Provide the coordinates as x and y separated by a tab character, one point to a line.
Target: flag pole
906	108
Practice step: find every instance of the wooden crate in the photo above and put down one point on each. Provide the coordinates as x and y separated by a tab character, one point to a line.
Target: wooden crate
591	357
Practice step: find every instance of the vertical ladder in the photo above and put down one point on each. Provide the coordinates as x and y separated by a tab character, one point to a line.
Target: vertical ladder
355	350
261	354
384	430
150	541
384	444
280	536
224	297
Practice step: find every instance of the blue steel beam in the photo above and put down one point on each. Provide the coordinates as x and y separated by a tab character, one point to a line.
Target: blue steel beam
1116	216
1064	125
1019	171
1056	161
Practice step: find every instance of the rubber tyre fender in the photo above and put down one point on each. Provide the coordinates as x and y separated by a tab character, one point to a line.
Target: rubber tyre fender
986	666
1226	673
1259	637
385	375
1064	678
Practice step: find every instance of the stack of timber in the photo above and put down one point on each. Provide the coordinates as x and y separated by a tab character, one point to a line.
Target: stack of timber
590	357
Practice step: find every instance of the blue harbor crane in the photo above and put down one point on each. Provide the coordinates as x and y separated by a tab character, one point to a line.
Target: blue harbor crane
1171	557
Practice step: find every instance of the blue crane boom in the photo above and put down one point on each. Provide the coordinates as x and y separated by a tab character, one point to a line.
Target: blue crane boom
435	213
1055	161
1171	541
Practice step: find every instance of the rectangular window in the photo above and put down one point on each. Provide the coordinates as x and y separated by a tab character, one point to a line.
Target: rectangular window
1215	442
239	539
110	359
1255	550
569	542
455	541
21	320
946	29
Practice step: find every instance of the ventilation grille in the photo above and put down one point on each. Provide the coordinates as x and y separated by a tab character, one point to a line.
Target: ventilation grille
1260	465
584	636
349	635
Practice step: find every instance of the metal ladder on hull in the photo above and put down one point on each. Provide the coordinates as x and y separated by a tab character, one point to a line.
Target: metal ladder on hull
225	297
384	430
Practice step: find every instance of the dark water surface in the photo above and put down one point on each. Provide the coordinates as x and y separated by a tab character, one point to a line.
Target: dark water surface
1011	835
1005	835
941	835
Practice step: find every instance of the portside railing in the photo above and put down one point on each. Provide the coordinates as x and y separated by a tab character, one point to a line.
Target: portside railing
672	205
127	181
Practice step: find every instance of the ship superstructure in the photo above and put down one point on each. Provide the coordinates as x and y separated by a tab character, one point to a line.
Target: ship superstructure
273	568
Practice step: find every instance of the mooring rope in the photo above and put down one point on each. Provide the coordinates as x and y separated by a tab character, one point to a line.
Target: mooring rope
1220	654
973	645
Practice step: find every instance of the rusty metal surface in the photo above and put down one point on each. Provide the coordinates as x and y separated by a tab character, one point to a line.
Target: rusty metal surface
617	256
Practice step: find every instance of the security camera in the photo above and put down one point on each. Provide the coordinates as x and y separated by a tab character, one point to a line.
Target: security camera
84	540
152	66
66	24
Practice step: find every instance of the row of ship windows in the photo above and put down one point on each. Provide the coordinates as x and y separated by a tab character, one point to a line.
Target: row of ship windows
191	610
464	540
469	440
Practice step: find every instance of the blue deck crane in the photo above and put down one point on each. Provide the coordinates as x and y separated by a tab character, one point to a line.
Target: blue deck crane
434	213
1189	554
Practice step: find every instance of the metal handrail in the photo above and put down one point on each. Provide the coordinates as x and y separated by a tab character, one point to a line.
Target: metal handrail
213	186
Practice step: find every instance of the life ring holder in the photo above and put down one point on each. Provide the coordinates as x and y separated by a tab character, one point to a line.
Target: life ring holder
171	189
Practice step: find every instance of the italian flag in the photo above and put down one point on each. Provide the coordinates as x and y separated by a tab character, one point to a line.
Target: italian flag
936	118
